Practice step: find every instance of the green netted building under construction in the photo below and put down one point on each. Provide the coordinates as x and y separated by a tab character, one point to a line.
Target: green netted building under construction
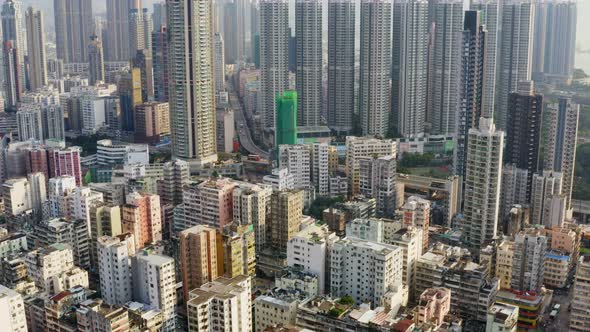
286	119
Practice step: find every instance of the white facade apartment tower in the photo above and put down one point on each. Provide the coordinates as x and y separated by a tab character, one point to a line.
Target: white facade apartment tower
446	59
515	63
274	56
114	264
483	182
409	67
560	150
308	31
375	67
341	39
192	95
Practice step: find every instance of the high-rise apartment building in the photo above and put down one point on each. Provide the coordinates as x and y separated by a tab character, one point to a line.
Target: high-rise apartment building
152	121
555	39
130	95
142	59
374	97
274	56
482	182
176	176
95	60
286	215
198	257
73	25
446	59
222	298
251	206
105	220
206	203
29	122
71	232
66	162
581	302
46	265
523	130
560	150
160	54
367	275
377	180
515	57
474	39
409	66
530	246
142	217
545	185
416	213
308	34
341	39
140	30
12	310
13	78
357	147
13	31
297	159
192	95
154	284
114	265
320	168
218	63
491	18
117	30
36	56
236	252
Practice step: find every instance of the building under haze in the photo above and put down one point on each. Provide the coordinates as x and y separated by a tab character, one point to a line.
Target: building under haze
274	56
375	62
192	94
409	80
308	31
341	38
74	23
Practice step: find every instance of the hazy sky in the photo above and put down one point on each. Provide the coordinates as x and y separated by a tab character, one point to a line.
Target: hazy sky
583	35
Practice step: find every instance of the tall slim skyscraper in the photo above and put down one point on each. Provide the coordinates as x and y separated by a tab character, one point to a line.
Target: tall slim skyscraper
482	182
472	75
446	58
117	32
142	59
36	47
74	23
14	31
490	15
308	31
375	66
555	39
523	130
219	62
95	60
140	29
159	15
13	83
160	53
341	36
516	53
192	94
243	21
410	66
560	150
274	56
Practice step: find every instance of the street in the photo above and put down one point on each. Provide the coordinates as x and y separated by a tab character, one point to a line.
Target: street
562	321
242	126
